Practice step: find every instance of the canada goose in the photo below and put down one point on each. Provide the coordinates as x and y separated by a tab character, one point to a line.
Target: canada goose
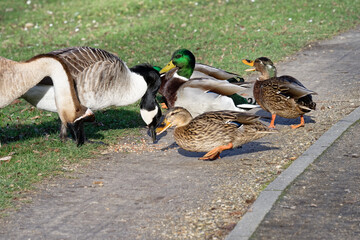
103	79
284	96
18	77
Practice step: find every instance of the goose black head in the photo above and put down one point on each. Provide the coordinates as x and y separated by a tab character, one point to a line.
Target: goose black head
149	107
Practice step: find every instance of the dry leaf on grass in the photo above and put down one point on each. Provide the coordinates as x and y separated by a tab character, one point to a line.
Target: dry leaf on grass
5	159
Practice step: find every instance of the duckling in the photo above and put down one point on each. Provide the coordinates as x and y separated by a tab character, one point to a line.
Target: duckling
197	95
102	79
212	132
284	96
18	77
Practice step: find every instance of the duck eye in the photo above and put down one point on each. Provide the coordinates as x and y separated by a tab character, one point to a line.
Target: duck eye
178	56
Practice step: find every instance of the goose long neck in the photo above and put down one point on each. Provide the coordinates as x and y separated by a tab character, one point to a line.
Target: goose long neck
18	77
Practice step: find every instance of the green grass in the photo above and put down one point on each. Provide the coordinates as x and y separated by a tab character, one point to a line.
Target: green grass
220	33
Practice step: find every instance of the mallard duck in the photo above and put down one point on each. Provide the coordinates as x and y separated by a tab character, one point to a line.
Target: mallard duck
212	132
18	77
103	79
284	96
197	95
184	59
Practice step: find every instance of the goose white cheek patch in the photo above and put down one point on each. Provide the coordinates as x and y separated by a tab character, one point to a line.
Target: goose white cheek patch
148	116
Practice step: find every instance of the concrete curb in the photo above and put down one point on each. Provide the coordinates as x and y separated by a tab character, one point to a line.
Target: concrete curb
251	220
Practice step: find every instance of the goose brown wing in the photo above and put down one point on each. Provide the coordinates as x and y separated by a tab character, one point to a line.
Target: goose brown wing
78	59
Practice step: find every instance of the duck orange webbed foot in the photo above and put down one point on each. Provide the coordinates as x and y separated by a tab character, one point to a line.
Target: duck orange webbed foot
212	155
163	106
297	126
302	123
215	153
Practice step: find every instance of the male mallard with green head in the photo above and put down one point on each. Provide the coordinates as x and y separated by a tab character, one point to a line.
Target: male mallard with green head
284	96
188	67
197	95
212	132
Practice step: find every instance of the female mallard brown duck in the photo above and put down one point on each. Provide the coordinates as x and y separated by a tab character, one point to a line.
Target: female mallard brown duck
284	96
212	132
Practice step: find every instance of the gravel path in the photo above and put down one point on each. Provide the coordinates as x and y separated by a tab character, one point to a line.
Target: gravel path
162	192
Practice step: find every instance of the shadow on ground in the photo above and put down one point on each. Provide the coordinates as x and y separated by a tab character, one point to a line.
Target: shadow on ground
104	120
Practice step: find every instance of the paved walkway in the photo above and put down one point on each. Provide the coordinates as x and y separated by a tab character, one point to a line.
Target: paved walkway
323	202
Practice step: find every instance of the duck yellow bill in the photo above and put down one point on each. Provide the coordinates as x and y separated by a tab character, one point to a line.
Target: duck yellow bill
163	126
168	67
250	63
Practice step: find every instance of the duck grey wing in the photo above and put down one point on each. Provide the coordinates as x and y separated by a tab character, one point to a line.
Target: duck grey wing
291	87
216	86
203	70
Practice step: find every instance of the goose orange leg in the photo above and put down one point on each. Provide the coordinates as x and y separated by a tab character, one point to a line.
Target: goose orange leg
272	123
302	123
215	153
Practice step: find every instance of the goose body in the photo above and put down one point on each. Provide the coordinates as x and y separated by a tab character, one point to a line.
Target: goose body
42	97
102	80
284	96
212	132
18	77
201	94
